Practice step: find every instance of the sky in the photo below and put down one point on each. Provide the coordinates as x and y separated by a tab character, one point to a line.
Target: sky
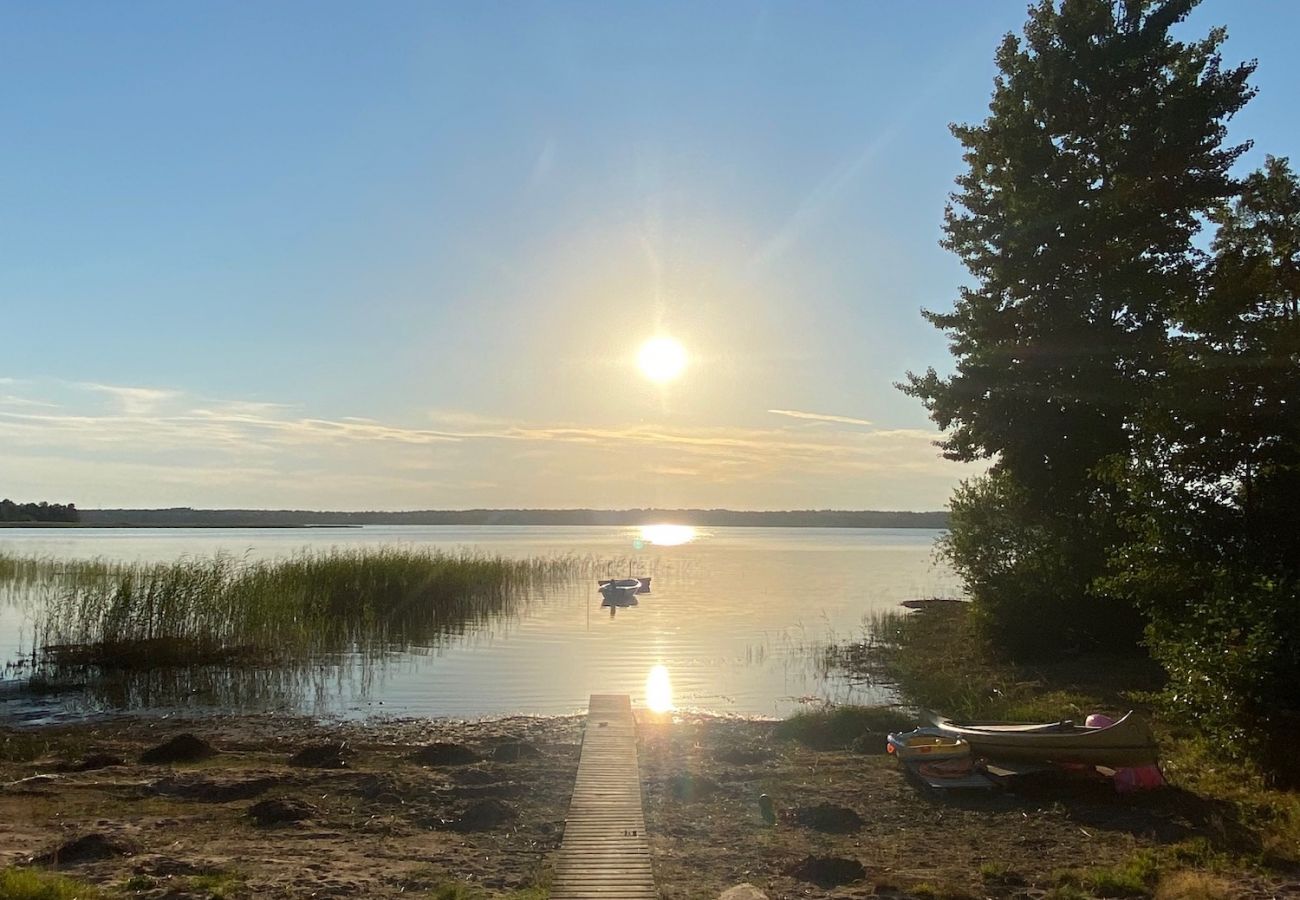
403	255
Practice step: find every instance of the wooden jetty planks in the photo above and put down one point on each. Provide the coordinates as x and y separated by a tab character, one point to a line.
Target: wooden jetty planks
604	854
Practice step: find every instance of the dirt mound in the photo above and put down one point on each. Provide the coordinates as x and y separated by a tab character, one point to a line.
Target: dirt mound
322	756
826	817
281	810
827	871
92	761
477	775
484	815
214	790
87	848
515	751
743	756
692	787
183	748
444	753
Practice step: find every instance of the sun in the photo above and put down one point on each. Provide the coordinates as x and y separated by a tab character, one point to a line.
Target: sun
661	359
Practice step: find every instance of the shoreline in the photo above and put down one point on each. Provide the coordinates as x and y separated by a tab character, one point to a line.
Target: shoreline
481	812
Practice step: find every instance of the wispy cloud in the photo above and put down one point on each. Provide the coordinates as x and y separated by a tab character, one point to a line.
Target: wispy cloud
268	454
132	400
818	417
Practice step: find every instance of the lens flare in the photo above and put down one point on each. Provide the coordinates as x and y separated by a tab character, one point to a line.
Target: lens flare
665	535
658	690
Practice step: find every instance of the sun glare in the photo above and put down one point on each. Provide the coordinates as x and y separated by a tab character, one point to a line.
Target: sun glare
667	535
661	359
658	690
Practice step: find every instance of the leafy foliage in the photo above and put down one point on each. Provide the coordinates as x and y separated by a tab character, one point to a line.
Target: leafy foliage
1083	191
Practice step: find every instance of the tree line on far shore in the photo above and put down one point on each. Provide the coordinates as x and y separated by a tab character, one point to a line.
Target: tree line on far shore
1135	386
38	512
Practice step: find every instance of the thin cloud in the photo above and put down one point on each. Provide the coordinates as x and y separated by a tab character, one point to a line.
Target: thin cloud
133	400
818	417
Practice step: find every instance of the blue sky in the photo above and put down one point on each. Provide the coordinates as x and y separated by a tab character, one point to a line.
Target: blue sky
401	255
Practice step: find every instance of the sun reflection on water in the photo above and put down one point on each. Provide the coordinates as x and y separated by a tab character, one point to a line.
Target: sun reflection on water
658	690
665	535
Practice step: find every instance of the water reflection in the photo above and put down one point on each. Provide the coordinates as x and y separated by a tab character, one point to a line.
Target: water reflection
658	690
666	535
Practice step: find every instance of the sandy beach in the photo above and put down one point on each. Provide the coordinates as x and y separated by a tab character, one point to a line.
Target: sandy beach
287	807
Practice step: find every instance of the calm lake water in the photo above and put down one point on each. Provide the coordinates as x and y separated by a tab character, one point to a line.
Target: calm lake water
732	617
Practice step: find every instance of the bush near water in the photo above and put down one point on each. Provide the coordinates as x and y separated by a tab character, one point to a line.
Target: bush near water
1137	395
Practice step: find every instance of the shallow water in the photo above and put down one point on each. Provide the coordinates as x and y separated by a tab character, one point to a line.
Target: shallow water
732	616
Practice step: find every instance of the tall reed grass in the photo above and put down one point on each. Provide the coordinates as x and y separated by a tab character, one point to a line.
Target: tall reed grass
223	608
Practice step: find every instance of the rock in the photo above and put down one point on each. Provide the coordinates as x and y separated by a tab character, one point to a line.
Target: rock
322	756
484	815
827	871
743	891
444	753
87	848
281	810
514	751
182	748
692	787
825	817
92	761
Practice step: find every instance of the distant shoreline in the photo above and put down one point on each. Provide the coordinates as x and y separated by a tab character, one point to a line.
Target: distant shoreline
288	518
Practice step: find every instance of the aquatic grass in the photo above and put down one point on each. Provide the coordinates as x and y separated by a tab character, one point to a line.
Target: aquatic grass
225	608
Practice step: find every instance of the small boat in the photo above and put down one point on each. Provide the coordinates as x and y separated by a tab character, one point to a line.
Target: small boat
1126	742
927	744
622	591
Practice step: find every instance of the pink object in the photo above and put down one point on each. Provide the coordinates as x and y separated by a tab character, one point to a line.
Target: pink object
1098	720
1138	778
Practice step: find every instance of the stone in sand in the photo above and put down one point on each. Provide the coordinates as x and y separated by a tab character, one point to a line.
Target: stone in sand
743	891
514	751
484	815
182	748
322	756
281	810
92	761
825	817
444	753
827	871
87	848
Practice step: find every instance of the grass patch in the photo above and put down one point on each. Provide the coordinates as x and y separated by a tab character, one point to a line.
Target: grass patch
217	884
29	884
839	726
1132	878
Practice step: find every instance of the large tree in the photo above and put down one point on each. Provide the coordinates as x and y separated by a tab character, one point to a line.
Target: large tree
1083	193
1213	554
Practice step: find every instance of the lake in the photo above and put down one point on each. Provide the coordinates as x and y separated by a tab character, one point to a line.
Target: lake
734	617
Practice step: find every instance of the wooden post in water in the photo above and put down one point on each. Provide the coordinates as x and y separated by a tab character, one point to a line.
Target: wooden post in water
604	854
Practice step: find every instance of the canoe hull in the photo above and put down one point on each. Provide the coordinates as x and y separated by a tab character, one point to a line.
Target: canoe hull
1128	742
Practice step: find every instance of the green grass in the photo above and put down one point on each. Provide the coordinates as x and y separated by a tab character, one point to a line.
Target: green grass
1135	877
217	884
839	726
30	884
226	609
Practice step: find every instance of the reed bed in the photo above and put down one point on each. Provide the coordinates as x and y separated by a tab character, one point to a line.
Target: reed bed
225	608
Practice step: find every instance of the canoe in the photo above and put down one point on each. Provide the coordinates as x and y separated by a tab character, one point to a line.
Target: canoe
1126	742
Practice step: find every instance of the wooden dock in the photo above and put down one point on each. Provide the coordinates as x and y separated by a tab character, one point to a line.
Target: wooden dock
605	855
